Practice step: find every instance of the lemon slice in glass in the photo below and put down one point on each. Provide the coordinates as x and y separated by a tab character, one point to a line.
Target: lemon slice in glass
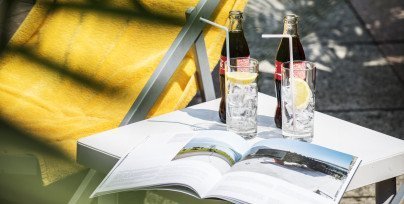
302	93
241	77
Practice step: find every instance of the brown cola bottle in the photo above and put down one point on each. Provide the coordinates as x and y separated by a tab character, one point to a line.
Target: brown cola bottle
290	27
238	48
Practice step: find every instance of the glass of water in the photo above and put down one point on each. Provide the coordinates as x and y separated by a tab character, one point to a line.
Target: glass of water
242	96
298	100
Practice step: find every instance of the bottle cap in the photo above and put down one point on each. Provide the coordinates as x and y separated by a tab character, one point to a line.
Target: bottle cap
291	18
236	14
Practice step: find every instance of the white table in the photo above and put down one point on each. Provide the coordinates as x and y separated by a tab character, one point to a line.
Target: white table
382	155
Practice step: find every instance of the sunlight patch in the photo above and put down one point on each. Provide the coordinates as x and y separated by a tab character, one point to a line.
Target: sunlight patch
376	62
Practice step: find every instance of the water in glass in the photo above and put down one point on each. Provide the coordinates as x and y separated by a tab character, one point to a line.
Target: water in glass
242	108
242	97
300	124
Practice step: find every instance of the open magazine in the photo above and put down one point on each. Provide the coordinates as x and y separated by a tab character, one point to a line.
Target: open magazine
221	164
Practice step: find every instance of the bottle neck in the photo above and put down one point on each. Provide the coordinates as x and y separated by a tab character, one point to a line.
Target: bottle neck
290	28
236	21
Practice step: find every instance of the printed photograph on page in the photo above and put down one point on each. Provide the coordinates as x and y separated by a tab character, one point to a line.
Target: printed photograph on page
221	151
317	169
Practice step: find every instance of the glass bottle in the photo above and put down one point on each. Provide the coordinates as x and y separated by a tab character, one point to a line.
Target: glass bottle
238	48
282	55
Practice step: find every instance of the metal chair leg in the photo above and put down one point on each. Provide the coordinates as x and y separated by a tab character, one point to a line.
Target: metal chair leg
205	81
87	186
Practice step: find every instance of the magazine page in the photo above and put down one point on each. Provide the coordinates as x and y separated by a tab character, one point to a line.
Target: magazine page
315	173
220	149
194	160
257	188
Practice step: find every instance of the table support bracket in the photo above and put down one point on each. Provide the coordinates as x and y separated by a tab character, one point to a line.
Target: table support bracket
385	189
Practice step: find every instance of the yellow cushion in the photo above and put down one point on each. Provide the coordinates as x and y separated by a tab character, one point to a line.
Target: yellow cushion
74	68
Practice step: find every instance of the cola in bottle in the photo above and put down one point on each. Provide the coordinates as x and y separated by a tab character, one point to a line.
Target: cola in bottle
282	55
238	48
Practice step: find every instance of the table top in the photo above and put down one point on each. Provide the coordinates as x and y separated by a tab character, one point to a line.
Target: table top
382	155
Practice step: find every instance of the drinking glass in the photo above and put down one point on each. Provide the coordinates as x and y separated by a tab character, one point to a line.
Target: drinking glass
242	96
298	109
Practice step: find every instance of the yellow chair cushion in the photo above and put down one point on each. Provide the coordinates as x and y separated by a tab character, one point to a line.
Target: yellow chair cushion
74	68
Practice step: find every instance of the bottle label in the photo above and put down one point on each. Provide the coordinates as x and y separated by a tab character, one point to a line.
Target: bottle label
243	63
278	70
298	72
222	68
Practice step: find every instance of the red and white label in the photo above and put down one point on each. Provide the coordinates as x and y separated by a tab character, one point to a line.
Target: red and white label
242	63
222	67
278	70
299	70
